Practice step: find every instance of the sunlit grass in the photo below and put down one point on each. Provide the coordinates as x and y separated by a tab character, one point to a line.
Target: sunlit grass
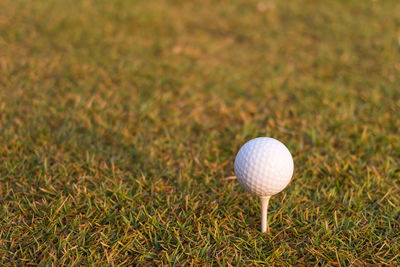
120	120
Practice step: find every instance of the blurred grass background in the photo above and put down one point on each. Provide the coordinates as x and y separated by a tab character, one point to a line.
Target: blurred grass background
120	120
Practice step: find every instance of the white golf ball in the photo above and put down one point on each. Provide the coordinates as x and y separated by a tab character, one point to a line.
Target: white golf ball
264	166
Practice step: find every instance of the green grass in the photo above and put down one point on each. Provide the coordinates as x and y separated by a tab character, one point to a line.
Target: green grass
120	120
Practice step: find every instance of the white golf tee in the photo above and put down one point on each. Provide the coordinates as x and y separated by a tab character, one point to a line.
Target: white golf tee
264	209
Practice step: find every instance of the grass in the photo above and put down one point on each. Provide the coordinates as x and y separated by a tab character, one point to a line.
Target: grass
120	120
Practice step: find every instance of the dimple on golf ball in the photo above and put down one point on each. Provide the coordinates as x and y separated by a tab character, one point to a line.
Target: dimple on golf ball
264	166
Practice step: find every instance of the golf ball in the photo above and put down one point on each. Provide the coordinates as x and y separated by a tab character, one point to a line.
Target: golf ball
264	166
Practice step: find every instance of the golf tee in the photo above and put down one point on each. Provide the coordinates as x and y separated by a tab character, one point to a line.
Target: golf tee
264	209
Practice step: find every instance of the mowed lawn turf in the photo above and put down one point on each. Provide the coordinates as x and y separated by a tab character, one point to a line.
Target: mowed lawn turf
120	122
